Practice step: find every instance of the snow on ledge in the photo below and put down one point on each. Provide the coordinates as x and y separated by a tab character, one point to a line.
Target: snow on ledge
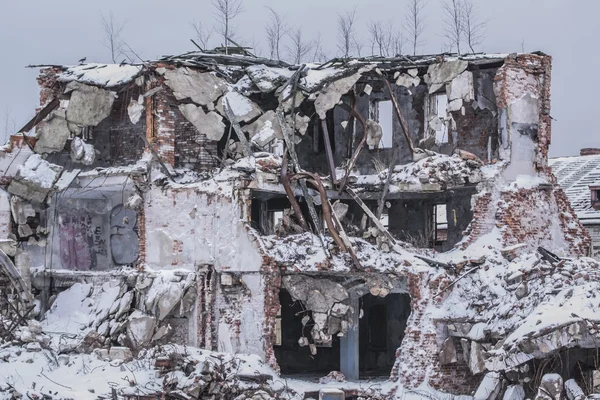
107	75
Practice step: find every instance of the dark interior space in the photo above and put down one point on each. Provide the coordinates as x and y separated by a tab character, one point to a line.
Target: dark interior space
293	358
381	330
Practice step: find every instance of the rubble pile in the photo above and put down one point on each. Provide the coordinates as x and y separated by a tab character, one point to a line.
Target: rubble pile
132	312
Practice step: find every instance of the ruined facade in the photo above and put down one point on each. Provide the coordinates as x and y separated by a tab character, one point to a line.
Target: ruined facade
318	216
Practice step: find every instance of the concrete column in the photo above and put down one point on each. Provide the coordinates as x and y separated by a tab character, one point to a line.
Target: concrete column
349	344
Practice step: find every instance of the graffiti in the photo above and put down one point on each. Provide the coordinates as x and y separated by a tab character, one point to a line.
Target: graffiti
75	252
124	241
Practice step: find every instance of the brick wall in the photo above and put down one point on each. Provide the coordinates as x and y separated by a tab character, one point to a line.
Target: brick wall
176	140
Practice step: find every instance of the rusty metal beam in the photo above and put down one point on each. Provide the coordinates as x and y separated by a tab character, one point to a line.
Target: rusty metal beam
328	152
403	123
285	181
363	122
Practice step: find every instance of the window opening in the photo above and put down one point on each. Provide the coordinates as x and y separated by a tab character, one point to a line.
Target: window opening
385	118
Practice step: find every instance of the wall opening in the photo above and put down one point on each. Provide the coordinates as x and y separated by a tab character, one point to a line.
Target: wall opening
438	117
385	118
440	232
381	330
293	346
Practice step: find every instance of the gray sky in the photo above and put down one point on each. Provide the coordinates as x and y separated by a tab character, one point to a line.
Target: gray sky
63	31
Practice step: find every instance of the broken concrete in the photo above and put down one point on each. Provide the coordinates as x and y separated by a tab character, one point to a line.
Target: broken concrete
210	124
203	88
88	105
35	179
52	135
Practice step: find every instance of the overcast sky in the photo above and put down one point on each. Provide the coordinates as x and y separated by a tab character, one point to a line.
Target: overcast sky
63	31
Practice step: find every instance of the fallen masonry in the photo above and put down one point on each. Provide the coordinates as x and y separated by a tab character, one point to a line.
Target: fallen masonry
223	226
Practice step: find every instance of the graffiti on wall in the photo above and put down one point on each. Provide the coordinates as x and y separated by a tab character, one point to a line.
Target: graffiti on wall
94	237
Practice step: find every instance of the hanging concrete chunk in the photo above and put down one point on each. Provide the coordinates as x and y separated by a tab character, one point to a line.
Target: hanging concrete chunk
35	179
300	123
264	129
440	73
82	152
374	133
202	88
407	80
210	124
332	94
461	87
88	105
243	108
52	135
135	109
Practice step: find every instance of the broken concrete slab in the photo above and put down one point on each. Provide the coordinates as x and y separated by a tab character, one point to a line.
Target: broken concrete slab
140	329
203	88
489	388
170	298
448	352
440	73
331	95
476	361
514	392
461	87
300	122
136	109
573	390
52	135
82	152
88	105
21	210
210	124
242	107
35	179
264	130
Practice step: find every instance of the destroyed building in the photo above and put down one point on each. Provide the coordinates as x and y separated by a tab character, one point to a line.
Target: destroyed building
579	176
382	217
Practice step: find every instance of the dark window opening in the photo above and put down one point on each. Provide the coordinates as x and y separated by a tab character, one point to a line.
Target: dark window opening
291	356
381	331
275	216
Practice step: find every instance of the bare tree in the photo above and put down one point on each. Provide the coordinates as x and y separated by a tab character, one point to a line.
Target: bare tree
346	32
8	125
203	34
112	36
380	38
318	54
225	12
276	30
473	27
415	24
397	42
453	22
299	49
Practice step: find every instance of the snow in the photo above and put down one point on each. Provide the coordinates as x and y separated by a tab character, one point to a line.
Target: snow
527	182
107	75
38	171
240	105
315	77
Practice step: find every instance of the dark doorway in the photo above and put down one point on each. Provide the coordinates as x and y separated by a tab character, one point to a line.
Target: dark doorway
293	358
381	330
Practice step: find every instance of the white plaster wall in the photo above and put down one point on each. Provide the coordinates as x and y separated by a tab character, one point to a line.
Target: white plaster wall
186	228
241	318
5	221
